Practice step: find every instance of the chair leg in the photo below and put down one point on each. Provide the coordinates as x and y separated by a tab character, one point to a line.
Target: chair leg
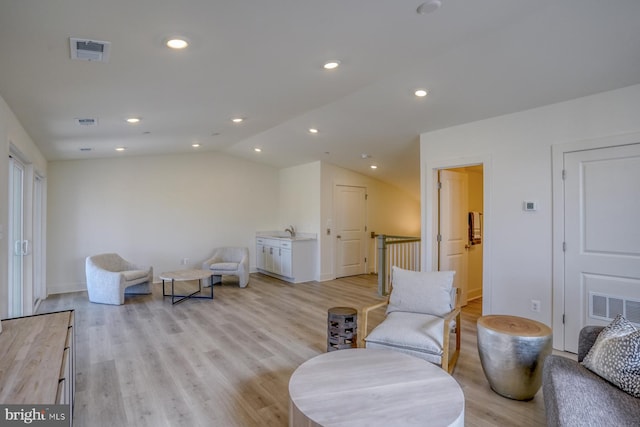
449	359
362	328
454	357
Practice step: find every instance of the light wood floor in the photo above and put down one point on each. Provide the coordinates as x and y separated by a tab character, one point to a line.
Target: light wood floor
227	362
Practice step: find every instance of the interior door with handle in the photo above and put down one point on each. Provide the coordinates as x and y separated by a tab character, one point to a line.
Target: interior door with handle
602	238
453	228
350	207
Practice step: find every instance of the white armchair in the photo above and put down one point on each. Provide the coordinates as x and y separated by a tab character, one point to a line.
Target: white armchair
229	261
422	314
109	277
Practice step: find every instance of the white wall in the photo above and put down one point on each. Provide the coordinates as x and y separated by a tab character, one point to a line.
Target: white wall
306	201
390	210
12	132
154	210
516	152
299	203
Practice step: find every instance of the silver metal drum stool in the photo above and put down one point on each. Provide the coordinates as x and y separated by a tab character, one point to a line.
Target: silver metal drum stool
512	351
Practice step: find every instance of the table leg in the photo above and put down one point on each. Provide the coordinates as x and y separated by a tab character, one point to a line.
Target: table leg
173	294
204	296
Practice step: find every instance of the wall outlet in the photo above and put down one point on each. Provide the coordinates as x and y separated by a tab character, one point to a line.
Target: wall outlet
184	261
535	305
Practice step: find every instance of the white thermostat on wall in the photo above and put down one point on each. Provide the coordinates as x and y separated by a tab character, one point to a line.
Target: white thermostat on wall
529	206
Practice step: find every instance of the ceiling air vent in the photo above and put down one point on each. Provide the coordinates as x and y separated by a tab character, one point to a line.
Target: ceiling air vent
89	50
86	121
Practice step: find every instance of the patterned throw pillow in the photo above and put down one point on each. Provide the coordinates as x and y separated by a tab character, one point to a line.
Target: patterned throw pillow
615	356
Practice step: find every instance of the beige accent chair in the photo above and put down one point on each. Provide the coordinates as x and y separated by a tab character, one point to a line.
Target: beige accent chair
229	261
422	314
109	277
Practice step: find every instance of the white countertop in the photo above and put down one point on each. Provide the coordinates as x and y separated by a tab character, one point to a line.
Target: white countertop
283	235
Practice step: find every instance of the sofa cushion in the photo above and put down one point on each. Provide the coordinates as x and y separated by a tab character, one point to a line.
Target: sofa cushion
224	266
615	356
574	396
421	292
131	275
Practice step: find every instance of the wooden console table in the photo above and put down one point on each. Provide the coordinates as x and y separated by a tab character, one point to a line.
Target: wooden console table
37	360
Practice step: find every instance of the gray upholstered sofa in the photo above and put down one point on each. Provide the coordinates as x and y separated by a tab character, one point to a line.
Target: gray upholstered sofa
575	396
229	261
109	277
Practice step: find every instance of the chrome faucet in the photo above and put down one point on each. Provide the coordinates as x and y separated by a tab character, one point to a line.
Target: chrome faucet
291	231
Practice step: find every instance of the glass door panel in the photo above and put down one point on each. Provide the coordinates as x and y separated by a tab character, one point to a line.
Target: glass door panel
16	238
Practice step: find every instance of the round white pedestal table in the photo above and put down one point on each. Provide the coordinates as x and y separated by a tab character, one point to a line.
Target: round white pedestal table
368	388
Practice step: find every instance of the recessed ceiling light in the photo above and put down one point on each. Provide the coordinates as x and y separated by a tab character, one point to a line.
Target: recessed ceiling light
177	43
331	65
421	93
133	120
237	120
257	150
195	145
313	130
120	148
365	156
428	7
374	166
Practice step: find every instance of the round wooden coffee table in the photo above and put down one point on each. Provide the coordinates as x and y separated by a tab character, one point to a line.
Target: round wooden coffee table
512	350
367	387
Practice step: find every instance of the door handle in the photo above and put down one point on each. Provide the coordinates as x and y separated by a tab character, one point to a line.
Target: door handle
339	236
21	247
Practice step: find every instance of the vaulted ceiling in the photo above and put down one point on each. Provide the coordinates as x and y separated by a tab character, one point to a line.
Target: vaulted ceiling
263	61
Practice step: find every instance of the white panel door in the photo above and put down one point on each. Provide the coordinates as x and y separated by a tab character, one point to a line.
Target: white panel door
350	207
602	237
453	227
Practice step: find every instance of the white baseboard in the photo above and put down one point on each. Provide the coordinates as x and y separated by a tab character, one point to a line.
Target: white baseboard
326	277
65	289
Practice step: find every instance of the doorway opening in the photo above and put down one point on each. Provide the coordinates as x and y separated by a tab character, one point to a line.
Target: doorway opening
25	236
459	238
